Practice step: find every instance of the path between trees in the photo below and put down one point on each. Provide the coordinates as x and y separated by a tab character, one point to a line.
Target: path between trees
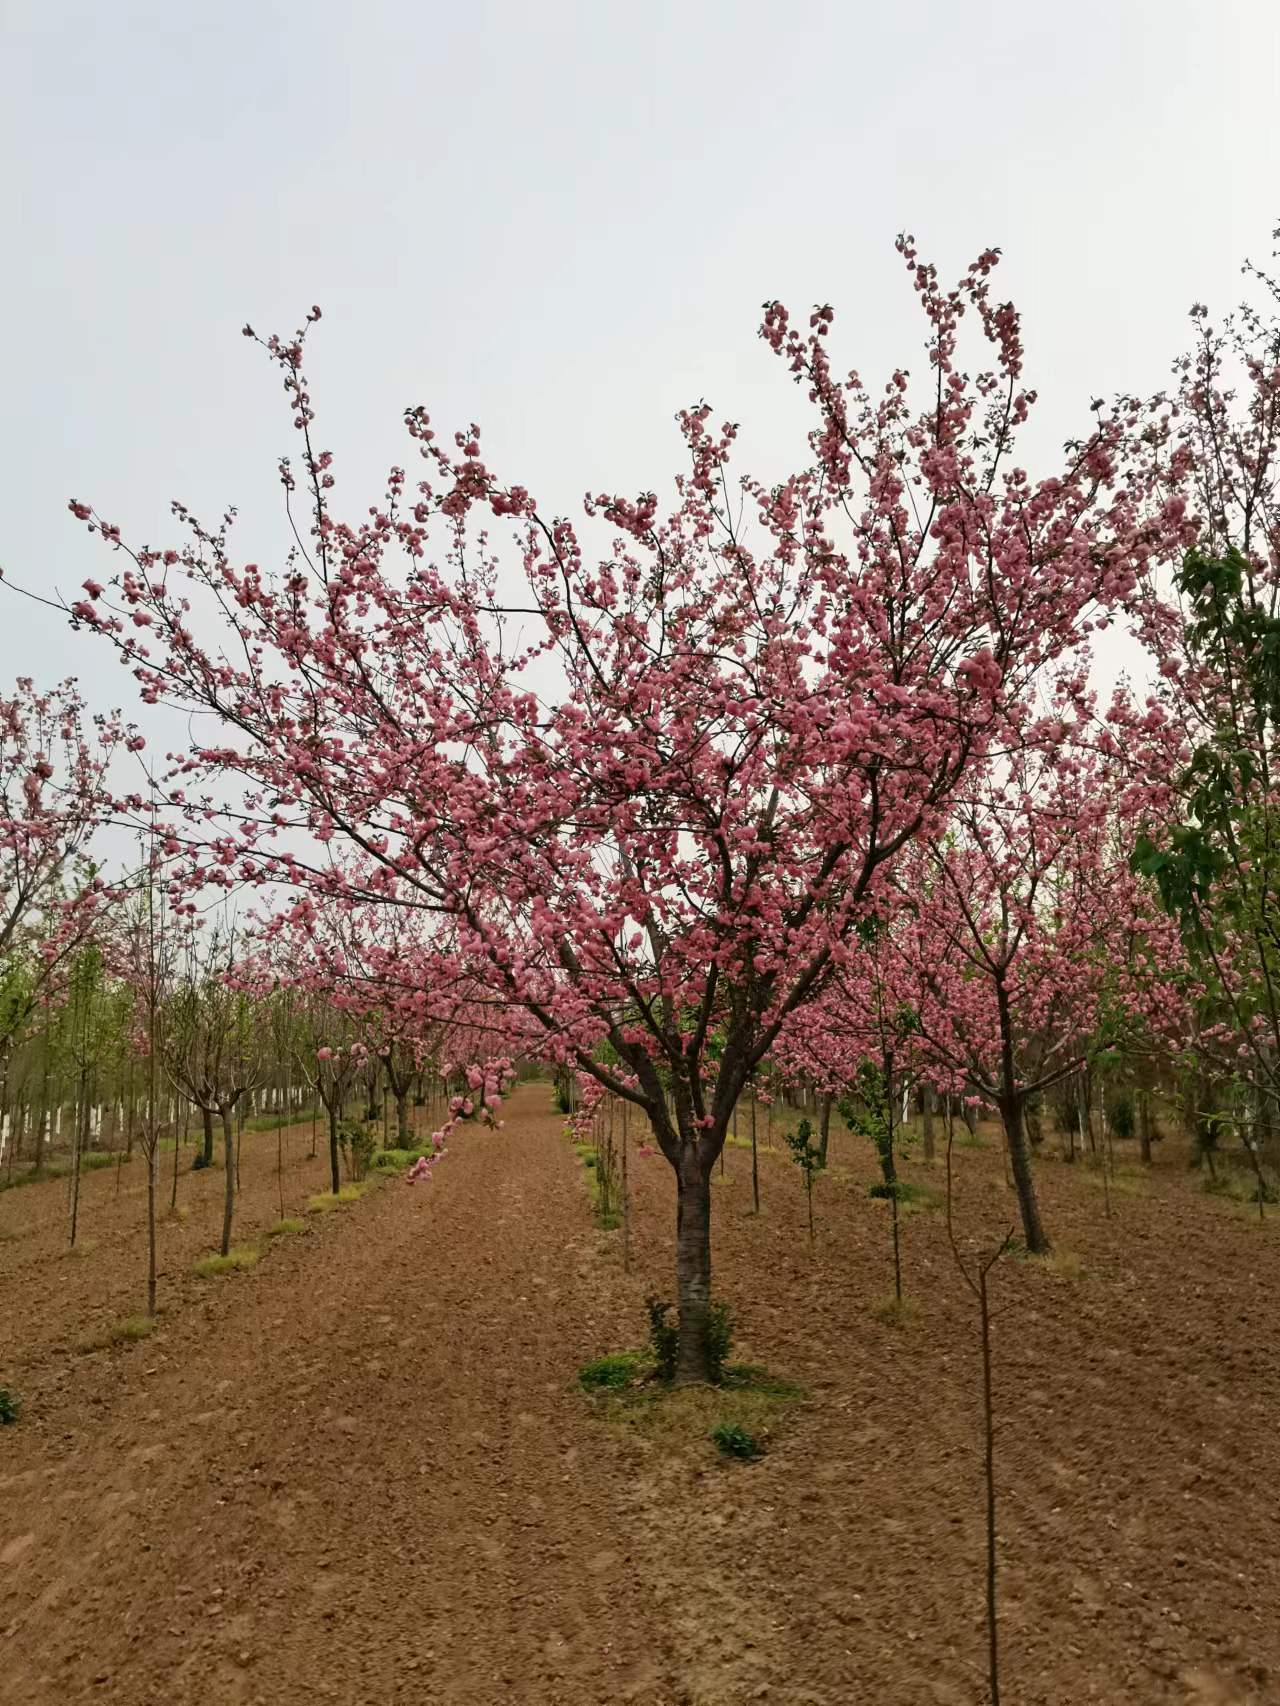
370	1481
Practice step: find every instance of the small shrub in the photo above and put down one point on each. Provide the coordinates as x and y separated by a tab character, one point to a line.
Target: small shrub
1120	1116
244	1257
10	1404
199	1164
664	1337
357	1143
608	1373
283	1228
731	1439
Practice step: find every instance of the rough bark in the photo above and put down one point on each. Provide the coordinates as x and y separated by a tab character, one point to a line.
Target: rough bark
693	1264
824	1128
1033	1231
1144	1125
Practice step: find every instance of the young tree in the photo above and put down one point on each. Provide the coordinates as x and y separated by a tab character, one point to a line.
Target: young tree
53	796
1020	916
212	1047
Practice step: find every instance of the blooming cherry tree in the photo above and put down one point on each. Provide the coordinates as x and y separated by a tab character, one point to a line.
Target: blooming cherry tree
652	771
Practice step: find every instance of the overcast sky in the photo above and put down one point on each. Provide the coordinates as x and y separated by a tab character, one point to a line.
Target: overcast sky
561	220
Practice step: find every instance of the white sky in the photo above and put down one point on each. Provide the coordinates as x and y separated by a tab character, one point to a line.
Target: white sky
561	220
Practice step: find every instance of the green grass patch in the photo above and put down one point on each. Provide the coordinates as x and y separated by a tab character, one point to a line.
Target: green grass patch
1239	1185
964	1139
94	1160
762	1148
618	1369
246	1256
16	1181
912	1198
395	1160
127	1332
284	1228
273	1122
1123	1181
326	1201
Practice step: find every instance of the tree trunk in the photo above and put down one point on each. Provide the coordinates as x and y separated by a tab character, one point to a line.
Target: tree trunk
926	1119
1144	1125
229	1163
152	1164
755	1161
77	1149
206	1114
404	1124
1020	1163
693	1265
824	1128
333	1148
1012	1103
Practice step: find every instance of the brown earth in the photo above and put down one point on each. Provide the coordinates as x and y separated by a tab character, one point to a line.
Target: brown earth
361	1472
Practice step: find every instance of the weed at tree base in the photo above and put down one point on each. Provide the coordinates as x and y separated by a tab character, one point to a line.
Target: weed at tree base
1063	1264
283	1228
327	1201
626	1390
912	1198
244	1257
608	1216
10	1404
896	1311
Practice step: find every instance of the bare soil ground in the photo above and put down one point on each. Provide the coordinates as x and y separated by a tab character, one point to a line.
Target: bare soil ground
361	1472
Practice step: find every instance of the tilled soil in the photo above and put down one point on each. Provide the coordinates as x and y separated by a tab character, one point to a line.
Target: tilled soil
361	1472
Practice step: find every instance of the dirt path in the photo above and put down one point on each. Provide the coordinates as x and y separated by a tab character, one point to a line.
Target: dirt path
366	1480
360	1473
